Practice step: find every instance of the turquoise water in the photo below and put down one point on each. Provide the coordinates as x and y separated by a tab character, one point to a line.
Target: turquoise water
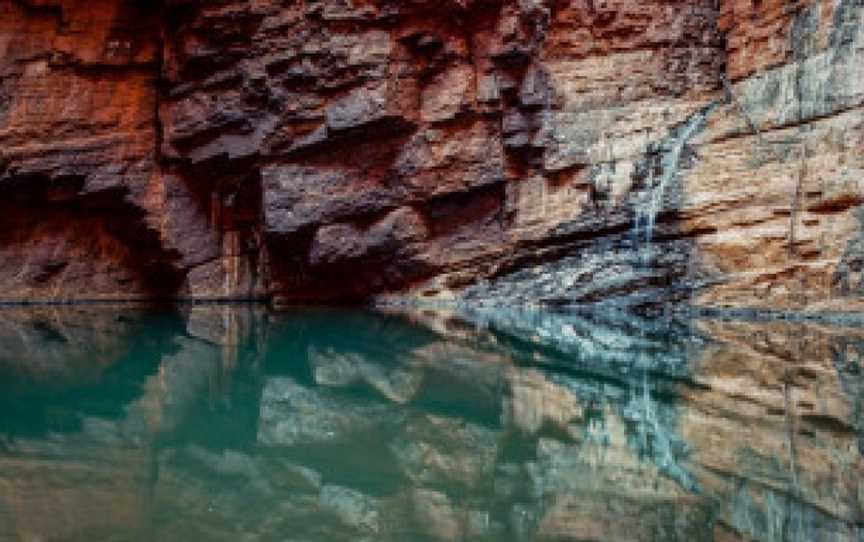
239	423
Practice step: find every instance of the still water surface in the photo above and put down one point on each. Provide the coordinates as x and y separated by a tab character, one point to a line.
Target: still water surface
235	423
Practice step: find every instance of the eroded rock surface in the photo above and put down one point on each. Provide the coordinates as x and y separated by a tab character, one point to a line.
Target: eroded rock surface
561	151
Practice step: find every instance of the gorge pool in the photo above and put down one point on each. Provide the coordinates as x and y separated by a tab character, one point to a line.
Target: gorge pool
240	423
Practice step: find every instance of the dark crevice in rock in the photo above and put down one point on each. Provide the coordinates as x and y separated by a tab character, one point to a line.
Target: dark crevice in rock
94	225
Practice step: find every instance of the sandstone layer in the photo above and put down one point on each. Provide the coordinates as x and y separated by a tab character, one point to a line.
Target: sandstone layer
560	151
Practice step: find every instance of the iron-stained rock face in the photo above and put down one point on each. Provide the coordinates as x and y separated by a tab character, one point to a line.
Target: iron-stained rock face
564	151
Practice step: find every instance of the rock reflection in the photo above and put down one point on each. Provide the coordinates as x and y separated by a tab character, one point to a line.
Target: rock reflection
226	423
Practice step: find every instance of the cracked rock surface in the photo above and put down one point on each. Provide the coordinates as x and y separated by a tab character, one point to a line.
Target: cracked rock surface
555	151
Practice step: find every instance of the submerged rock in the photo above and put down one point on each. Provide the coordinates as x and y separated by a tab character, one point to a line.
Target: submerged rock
351	507
292	415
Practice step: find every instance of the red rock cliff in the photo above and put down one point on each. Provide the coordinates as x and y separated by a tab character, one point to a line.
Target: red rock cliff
568	151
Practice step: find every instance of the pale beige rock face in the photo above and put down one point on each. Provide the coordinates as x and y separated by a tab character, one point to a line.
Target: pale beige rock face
781	229
783	204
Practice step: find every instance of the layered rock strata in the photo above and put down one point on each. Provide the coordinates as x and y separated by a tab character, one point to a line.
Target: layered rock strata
567	152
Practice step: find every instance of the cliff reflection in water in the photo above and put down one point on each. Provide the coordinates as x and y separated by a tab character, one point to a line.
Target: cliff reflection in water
221	423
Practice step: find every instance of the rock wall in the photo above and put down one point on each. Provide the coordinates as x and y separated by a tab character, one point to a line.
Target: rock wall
568	152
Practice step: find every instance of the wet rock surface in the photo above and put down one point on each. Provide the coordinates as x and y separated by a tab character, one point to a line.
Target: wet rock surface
638	155
227	423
